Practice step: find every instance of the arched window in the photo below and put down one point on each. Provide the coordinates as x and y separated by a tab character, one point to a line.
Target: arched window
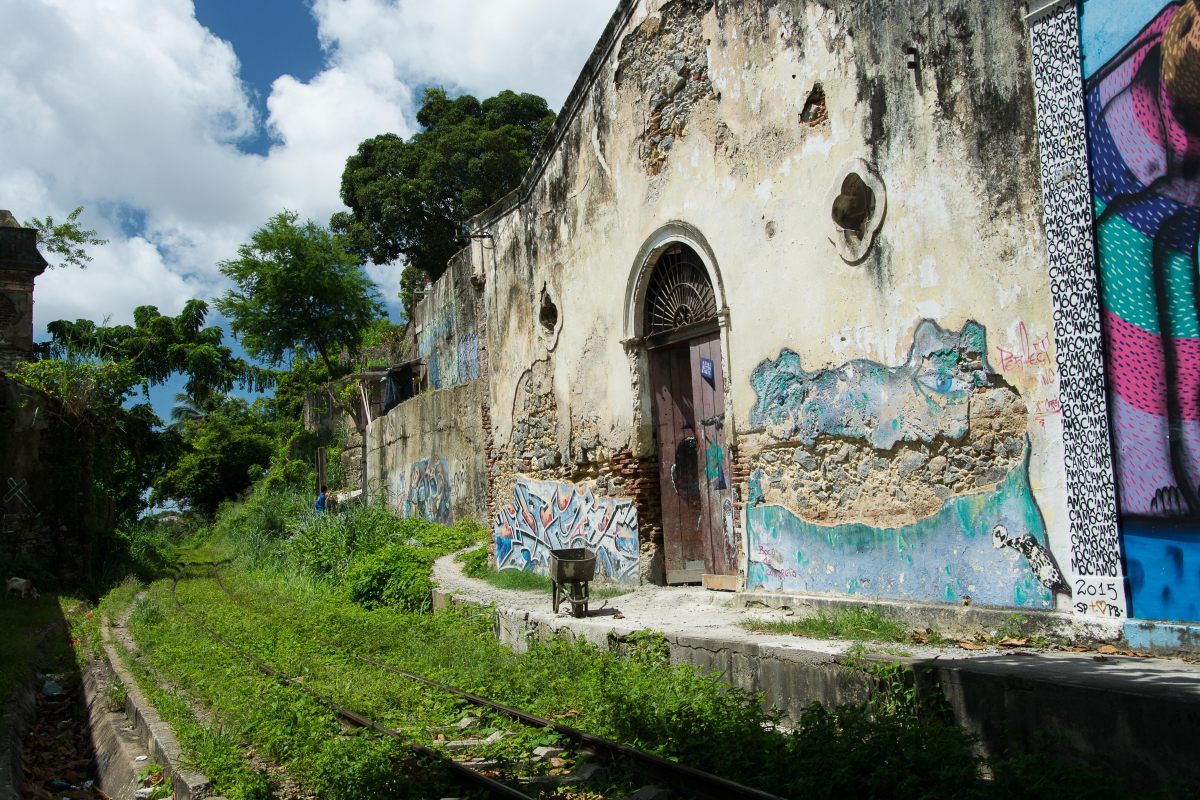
679	292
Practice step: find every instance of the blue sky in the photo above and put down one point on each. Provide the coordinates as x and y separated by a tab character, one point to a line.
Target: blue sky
182	127
271	38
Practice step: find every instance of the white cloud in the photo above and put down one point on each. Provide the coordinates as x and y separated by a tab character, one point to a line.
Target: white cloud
534	46
132	105
93	293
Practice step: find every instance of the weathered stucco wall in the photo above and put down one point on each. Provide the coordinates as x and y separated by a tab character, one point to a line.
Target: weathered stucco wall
921	328
446	329
425	456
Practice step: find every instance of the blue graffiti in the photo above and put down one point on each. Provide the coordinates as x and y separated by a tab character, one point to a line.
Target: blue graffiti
947	556
429	491
925	397
545	516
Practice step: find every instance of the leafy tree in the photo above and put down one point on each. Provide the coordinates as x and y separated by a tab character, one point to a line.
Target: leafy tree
221	450
157	346
295	286
413	198
66	239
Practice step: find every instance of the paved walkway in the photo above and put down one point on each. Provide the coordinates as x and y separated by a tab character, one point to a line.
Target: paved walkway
693	612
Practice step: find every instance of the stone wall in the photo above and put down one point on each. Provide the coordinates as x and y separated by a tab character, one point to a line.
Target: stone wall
45	528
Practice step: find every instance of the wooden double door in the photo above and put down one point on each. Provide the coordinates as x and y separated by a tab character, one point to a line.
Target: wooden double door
694	468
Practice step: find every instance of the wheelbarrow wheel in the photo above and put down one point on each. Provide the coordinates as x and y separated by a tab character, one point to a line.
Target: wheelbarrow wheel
579	599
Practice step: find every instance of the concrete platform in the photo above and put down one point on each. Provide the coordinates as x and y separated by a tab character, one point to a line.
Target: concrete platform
1137	718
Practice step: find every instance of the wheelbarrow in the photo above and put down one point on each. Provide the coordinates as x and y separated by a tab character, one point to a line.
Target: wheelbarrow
570	570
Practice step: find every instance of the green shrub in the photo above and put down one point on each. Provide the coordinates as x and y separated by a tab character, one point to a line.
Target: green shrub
475	562
396	576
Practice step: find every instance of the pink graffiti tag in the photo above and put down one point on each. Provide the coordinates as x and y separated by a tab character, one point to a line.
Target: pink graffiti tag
1028	352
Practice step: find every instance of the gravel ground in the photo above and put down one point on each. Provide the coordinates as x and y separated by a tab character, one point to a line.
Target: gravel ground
678	610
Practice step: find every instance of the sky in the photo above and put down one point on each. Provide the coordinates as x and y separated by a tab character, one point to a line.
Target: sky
181	127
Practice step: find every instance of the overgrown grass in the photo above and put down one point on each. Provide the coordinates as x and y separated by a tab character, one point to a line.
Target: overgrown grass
857	624
249	708
355	579
902	745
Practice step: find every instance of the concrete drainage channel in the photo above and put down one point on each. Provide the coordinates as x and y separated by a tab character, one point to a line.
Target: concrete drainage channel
126	743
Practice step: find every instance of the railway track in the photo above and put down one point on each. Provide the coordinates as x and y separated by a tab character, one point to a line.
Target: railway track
621	759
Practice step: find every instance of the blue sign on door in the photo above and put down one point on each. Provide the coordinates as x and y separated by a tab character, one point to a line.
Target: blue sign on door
706	370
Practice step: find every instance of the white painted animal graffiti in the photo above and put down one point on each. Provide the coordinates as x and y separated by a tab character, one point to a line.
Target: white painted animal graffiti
22	586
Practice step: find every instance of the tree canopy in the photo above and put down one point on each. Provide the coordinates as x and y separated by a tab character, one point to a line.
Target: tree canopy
219	450
157	346
296	287
413	198
67	239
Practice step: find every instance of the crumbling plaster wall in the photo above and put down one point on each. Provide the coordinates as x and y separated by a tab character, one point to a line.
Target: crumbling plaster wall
707	114
428	455
425	456
446	330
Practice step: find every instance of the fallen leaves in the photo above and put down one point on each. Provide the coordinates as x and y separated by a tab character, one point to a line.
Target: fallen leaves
57	752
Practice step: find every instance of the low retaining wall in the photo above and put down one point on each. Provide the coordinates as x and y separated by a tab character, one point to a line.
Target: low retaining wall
1137	719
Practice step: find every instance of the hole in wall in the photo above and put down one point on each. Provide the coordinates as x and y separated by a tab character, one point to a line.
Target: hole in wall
857	203
814	111
548	313
853	206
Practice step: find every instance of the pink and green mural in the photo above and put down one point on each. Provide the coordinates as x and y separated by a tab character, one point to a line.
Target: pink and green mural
1142	93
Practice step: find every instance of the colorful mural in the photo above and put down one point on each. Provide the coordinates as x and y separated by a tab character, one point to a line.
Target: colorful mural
427	492
906	482
1143	118
923	398
450	358
954	555
545	516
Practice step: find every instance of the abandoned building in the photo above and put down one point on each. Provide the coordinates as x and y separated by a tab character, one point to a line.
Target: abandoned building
881	300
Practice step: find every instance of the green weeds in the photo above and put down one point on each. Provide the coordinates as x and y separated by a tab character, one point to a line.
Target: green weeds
311	589
857	624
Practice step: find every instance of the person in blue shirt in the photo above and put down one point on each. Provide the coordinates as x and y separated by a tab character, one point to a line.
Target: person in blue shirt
322	499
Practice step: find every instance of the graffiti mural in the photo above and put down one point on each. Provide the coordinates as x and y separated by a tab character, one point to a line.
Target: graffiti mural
1075	294
923	398
545	516
427	491
907	482
1143	118
450	353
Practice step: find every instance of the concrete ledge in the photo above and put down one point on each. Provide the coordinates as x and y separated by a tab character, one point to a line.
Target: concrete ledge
117	748
142	727
952	621
1163	637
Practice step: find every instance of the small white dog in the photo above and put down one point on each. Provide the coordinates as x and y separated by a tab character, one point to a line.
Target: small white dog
22	585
